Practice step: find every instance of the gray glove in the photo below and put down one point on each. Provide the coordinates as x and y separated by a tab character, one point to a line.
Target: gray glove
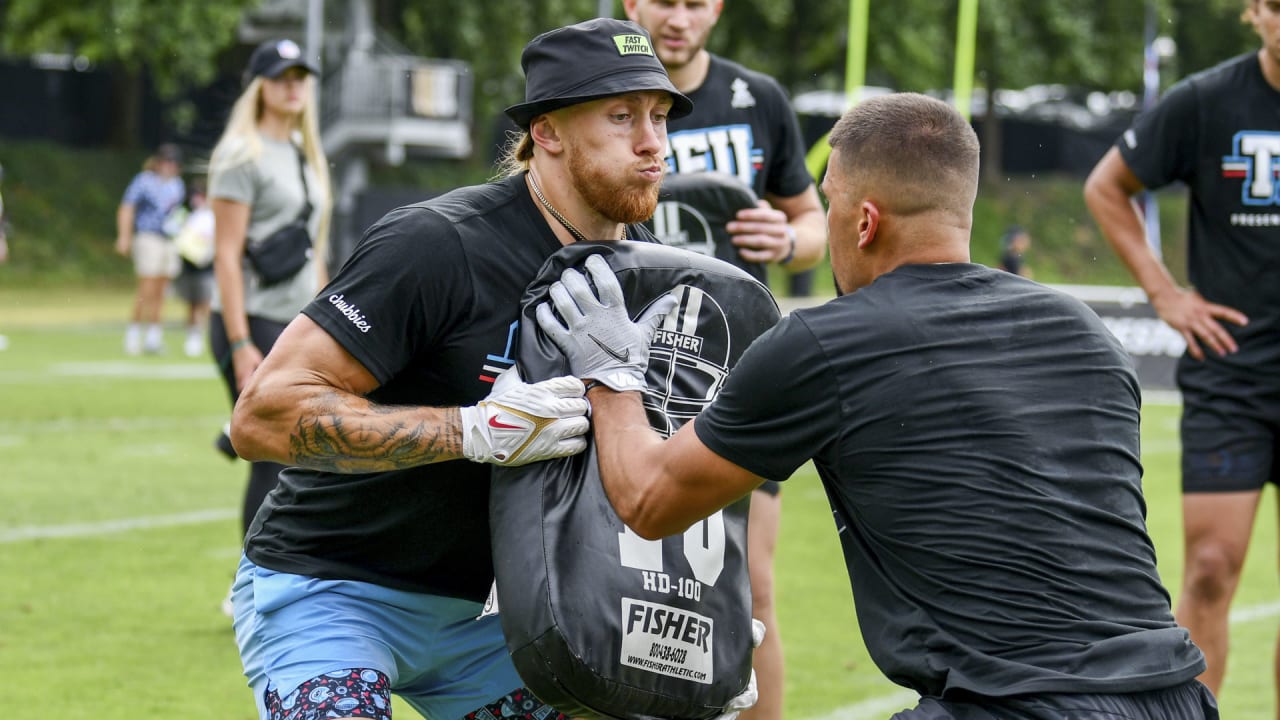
519	423
598	337
746	699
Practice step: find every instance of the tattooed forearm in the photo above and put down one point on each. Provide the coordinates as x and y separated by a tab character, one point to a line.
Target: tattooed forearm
347	434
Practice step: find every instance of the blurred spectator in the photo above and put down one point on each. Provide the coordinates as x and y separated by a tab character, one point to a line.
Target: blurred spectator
1013	245
140	233
4	246
267	172
193	236
4	226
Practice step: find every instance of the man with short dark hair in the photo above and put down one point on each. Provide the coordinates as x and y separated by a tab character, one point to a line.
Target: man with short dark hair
976	434
365	570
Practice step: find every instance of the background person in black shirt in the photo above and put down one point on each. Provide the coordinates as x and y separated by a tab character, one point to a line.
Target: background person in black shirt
1013	246
742	125
976	434
1217	131
366	568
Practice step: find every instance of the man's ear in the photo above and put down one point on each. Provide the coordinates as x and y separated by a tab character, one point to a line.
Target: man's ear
545	135
868	223
629	9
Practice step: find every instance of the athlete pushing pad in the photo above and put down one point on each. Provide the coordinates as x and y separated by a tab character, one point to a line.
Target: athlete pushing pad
600	622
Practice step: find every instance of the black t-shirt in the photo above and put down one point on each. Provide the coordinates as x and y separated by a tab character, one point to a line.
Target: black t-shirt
1216	131
977	436
742	125
429	303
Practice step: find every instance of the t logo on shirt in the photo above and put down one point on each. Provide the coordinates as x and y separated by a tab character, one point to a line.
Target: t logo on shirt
1256	159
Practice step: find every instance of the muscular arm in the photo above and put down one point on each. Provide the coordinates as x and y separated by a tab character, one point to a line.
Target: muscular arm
305	406
659	487
1108	192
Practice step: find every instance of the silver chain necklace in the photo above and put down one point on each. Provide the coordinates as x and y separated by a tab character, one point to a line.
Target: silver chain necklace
575	232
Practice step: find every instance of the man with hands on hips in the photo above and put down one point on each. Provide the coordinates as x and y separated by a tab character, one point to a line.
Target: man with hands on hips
995	541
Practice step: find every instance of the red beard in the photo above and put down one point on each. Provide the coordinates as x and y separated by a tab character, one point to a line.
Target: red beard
620	200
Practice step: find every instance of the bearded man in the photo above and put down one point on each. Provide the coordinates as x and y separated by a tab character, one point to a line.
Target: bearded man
366	569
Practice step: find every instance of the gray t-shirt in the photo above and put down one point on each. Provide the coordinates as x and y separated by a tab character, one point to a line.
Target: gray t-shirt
270	186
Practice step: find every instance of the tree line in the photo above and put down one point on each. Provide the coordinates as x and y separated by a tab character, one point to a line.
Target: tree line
1089	44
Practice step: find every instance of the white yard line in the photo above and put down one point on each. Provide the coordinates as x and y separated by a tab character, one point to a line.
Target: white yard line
111	527
117	424
879	708
115	369
876	707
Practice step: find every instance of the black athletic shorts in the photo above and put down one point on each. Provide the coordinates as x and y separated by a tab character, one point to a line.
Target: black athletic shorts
1189	701
1230	433
773	487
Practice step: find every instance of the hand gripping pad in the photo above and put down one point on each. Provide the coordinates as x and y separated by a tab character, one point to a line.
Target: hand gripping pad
601	623
693	211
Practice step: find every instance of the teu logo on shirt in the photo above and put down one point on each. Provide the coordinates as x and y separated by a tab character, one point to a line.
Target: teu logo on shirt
1255	159
632	45
728	149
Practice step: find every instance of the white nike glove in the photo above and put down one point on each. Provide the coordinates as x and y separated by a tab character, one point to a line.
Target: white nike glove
519	423
597	336
746	699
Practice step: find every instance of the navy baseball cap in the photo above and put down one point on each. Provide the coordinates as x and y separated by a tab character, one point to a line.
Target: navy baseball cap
272	58
587	61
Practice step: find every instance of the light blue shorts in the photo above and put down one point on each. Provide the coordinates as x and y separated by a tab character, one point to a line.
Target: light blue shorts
437	655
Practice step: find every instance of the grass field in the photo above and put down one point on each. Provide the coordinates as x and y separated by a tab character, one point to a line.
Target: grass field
119	533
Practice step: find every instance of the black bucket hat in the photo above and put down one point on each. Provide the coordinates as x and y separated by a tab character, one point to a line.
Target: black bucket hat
587	61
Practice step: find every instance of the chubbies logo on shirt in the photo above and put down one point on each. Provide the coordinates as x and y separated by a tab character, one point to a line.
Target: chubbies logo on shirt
351	312
632	45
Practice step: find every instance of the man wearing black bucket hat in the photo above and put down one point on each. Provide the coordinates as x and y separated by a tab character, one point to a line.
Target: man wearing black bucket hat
366	569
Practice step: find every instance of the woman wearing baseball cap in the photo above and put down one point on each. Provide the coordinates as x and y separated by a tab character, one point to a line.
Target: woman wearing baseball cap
267	171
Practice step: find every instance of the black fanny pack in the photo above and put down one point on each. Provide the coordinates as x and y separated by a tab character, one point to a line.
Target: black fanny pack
284	253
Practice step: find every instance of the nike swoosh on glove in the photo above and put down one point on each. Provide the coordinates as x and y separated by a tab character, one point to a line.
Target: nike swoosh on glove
746	699
519	423
598	337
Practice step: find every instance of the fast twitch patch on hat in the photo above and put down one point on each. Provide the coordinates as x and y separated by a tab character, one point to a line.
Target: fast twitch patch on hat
632	45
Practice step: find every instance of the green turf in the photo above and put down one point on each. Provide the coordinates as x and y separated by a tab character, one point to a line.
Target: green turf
126	624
